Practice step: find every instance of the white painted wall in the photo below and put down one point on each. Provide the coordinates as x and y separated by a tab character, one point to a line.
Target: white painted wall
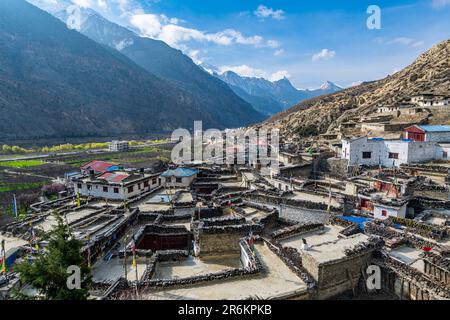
96	190
280	184
437	136
391	212
408	152
172	181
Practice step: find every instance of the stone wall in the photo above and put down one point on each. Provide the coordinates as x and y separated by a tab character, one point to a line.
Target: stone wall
295	229
219	243
126	289
289	202
407	282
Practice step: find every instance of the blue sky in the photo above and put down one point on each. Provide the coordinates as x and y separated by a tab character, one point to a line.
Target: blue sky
307	41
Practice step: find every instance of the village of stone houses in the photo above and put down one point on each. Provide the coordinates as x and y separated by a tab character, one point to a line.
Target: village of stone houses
185	150
340	211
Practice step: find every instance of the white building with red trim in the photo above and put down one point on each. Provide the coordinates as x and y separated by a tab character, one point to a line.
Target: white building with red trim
428	133
118	185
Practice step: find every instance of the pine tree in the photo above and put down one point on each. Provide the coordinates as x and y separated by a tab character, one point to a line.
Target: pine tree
48	273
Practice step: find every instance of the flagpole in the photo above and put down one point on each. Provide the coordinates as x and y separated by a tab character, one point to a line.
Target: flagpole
3	266
15	205
125	258
135	265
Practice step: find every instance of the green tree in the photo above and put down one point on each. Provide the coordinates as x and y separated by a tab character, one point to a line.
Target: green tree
48	273
6	148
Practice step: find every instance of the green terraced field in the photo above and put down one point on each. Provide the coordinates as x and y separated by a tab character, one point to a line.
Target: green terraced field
22	163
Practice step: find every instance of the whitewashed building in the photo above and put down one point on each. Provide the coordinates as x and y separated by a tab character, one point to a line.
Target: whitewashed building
427	133
430	100
389	153
180	177
119	146
383	211
118	185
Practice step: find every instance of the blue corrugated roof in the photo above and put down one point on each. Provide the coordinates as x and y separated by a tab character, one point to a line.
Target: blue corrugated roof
434	128
180	172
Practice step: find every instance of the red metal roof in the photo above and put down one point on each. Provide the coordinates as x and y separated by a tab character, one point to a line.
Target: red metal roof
99	166
114	177
119	177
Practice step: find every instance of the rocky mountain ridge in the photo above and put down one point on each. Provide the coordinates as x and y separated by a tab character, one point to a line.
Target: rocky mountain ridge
430	72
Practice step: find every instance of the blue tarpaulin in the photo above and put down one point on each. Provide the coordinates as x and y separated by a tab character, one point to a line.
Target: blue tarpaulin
358	220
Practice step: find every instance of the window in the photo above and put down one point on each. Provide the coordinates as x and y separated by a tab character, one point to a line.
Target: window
89	187
105	189
367	155
79	185
130	189
444	154
393	155
384	213
179	180
116	190
145	184
154	181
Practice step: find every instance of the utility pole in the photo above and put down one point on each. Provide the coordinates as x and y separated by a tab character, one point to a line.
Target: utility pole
329	198
125	259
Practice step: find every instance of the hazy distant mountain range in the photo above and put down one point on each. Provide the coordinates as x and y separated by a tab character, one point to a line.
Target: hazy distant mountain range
268	97
106	80
58	82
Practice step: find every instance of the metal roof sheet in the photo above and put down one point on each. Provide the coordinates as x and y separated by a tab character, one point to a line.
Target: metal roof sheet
435	128
180	172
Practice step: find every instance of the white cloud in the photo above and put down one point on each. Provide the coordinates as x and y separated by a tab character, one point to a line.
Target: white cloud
194	55
264	12
83	3
169	29
147	24
440	3
272	44
246	71
324	54
163	28
278	52
102	4
279	75
406	42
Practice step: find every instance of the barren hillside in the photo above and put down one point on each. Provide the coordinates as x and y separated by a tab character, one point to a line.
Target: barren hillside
430	72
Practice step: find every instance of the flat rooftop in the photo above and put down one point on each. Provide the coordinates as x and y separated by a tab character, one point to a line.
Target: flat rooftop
12	242
325	245
49	222
317	198
253	214
113	269
194	266
278	281
408	255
